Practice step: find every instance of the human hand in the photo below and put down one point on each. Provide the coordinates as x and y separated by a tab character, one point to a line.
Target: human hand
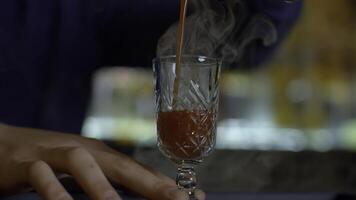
34	158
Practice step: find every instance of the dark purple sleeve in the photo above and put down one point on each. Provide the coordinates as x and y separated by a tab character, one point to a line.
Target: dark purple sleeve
283	15
47	54
129	30
50	48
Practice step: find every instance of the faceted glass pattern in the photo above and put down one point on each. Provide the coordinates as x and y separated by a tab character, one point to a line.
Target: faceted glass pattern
186	131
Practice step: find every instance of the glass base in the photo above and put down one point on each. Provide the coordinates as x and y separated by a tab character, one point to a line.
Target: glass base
186	178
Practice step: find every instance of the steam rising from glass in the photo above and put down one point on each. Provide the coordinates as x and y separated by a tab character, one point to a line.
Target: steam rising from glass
222	29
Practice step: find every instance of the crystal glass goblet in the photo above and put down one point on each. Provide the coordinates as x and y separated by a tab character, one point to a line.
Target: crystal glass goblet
186	118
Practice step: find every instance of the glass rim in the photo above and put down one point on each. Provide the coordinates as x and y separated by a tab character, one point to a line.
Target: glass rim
207	58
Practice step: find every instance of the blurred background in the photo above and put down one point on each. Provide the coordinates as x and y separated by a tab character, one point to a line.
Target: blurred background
304	98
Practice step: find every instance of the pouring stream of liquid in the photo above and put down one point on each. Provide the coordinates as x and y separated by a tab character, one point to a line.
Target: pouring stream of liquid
179	50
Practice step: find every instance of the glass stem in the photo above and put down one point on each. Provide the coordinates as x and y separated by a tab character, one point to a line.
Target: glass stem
186	179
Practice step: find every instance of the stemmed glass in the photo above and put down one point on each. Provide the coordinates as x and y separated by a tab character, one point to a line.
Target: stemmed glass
186	119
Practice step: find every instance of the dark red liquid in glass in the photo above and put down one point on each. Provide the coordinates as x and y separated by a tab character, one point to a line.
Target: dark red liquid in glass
186	135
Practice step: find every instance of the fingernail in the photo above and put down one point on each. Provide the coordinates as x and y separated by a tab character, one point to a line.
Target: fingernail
112	196
200	194
176	194
64	197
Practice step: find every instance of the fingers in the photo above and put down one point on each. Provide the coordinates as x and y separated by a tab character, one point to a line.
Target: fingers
173	193
200	194
100	147
159	174
120	155
170	190
83	167
127	172
43	179
89	169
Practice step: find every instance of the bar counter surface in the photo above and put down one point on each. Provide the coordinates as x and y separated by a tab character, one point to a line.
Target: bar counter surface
255	175
224	196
